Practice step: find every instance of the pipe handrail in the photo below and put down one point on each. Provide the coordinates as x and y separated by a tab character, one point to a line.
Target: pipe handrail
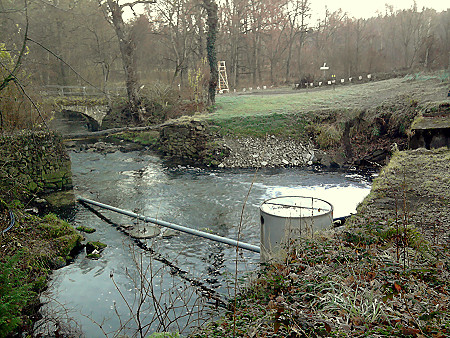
174	226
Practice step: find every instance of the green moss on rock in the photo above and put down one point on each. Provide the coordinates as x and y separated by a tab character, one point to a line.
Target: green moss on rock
85	229
95	246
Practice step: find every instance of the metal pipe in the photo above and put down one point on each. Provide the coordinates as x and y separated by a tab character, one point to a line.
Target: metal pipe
173	226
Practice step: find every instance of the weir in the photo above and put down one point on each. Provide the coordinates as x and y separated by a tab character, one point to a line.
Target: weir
173	226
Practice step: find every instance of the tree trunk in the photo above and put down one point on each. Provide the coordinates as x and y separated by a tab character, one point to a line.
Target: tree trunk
288	61
211	36
128	54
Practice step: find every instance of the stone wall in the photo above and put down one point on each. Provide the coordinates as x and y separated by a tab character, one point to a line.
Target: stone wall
191	141
33	162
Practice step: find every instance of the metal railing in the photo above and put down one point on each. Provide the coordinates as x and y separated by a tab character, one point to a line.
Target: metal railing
81	91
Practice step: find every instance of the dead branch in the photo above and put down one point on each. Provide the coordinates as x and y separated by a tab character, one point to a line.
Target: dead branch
143	2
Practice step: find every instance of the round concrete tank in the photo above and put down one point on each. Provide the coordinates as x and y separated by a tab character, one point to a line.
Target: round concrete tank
287	218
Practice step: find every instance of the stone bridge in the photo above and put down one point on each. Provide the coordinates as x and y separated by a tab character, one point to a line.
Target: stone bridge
97	112
78	118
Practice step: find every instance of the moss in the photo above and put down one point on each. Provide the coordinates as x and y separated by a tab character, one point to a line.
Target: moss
61	198
93	256
54	227
92	246
67	243
86	229
147	138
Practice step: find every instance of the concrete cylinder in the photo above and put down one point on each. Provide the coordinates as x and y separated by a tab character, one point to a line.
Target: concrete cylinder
287	218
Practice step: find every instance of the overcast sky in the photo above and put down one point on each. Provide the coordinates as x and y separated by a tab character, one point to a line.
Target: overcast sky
354	8
369	8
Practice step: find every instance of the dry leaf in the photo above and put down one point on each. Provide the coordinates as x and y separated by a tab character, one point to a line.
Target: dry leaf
276	326
410	331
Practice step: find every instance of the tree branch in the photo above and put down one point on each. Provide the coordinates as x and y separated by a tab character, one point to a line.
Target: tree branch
19	85
137	2
12	75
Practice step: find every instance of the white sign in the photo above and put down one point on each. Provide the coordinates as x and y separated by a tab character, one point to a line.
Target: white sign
324	67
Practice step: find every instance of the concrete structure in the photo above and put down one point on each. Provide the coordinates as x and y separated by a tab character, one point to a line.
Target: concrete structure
288	218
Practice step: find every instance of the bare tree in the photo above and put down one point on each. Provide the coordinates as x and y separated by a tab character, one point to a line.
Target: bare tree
179	19
296	15
127	45
303	11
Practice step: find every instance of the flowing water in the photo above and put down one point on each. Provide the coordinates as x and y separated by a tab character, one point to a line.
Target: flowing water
208	200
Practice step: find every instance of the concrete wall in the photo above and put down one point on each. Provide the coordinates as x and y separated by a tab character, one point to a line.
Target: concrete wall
34	162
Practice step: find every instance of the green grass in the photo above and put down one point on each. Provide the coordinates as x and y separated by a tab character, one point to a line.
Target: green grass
147	138
282	125
295	101
251	105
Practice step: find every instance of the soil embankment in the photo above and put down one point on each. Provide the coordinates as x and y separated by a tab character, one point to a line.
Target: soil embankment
355	125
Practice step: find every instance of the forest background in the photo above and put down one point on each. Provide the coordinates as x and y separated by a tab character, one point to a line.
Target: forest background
271	42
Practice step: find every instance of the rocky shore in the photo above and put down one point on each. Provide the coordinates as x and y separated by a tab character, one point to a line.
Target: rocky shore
269	152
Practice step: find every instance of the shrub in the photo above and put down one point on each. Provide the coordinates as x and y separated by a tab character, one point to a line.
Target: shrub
325	135
14	295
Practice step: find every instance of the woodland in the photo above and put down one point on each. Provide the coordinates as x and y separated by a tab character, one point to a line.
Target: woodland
271	42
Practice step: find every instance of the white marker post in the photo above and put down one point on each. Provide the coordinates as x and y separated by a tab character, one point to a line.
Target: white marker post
324	68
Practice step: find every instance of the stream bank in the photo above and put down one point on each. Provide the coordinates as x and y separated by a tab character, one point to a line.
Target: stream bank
336	139
32	165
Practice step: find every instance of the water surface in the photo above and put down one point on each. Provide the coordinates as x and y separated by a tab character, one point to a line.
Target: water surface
209	200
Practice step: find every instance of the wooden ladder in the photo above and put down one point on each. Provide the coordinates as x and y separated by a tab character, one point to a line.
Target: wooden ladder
223	78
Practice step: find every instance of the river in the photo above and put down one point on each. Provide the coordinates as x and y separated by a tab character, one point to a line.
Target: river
84	294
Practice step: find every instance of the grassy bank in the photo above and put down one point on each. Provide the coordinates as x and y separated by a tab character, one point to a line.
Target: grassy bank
386	275
29	250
